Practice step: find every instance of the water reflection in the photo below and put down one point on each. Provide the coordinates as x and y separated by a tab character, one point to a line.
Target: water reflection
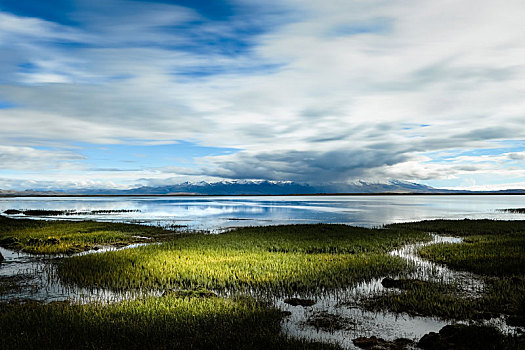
212	213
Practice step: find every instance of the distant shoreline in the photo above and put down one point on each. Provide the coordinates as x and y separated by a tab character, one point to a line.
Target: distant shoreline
266	195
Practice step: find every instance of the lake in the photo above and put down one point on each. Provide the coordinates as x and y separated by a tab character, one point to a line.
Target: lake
216	213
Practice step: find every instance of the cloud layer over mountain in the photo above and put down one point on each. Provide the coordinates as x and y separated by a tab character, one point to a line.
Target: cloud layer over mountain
121	92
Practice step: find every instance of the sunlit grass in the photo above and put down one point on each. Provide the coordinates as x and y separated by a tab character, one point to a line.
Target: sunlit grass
53	237
278	260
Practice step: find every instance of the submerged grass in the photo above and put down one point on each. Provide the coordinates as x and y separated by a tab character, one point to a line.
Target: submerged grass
277	260
493	249
168	322
54	237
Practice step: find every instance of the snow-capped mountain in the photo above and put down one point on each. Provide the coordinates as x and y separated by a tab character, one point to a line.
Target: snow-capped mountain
264	187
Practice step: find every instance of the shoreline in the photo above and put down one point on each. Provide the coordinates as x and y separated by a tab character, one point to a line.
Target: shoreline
263	195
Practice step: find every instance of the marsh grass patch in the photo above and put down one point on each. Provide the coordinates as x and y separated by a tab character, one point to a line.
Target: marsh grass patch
56	237
275	260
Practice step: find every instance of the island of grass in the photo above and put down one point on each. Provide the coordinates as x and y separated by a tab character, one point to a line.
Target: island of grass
66	237
216	288
272	260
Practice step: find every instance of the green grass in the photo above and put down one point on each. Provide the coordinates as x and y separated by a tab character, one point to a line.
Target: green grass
53	237
500	296
493	249
277	260
151	323
465	227
272	261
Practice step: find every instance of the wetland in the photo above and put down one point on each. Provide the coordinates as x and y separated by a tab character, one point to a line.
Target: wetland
422	284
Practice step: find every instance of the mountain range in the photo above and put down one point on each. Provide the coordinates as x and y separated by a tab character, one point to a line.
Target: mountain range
254	187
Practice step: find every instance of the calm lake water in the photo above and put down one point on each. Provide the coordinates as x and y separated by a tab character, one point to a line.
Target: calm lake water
217	213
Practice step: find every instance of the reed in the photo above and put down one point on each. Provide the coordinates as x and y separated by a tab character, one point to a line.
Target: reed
54	237
168	322
273	260
495	250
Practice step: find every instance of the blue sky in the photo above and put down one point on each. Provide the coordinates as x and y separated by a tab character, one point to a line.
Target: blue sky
124	93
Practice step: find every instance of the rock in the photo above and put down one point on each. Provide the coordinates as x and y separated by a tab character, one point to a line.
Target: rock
1	257
367	343
403	343
374	343
301	302
452	330
391	283
461	336
428	340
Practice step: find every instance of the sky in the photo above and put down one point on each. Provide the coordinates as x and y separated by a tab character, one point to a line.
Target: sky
123	93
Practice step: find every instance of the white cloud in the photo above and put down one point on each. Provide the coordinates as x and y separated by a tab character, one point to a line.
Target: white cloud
27	158
324	94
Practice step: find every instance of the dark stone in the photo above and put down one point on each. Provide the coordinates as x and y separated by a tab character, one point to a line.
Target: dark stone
1	257
366	343
301	302
452	330
374	343
428	340
403	342
391	283
461	336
